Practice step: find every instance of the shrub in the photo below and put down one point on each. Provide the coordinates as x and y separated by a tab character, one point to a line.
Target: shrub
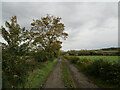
108	72
72	59
14	70
84	64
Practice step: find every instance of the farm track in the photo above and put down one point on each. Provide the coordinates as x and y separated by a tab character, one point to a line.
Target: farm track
79	78
55	79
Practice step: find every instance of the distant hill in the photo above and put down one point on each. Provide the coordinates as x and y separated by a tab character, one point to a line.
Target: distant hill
111	49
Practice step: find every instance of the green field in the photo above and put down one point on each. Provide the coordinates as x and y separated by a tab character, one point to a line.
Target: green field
108	58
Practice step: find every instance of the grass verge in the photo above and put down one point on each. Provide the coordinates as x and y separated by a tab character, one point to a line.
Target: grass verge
39	75
66	76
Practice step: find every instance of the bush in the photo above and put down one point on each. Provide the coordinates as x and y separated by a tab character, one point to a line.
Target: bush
72	59
40	56
108	72
84	64
13	70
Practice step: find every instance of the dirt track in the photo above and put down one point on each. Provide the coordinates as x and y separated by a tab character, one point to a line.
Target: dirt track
80	79
55	79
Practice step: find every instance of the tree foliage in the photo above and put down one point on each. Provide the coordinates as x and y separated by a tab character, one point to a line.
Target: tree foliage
42	41
47	33
15	36
13	65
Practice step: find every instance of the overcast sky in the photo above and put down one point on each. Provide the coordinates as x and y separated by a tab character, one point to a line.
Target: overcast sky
90	25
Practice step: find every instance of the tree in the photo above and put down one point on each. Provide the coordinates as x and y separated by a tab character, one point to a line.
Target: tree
12	65
15	36
48	32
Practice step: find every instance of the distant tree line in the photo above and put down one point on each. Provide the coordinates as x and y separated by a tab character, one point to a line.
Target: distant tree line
94	52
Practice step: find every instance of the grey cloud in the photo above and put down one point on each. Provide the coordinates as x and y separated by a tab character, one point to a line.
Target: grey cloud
89	24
